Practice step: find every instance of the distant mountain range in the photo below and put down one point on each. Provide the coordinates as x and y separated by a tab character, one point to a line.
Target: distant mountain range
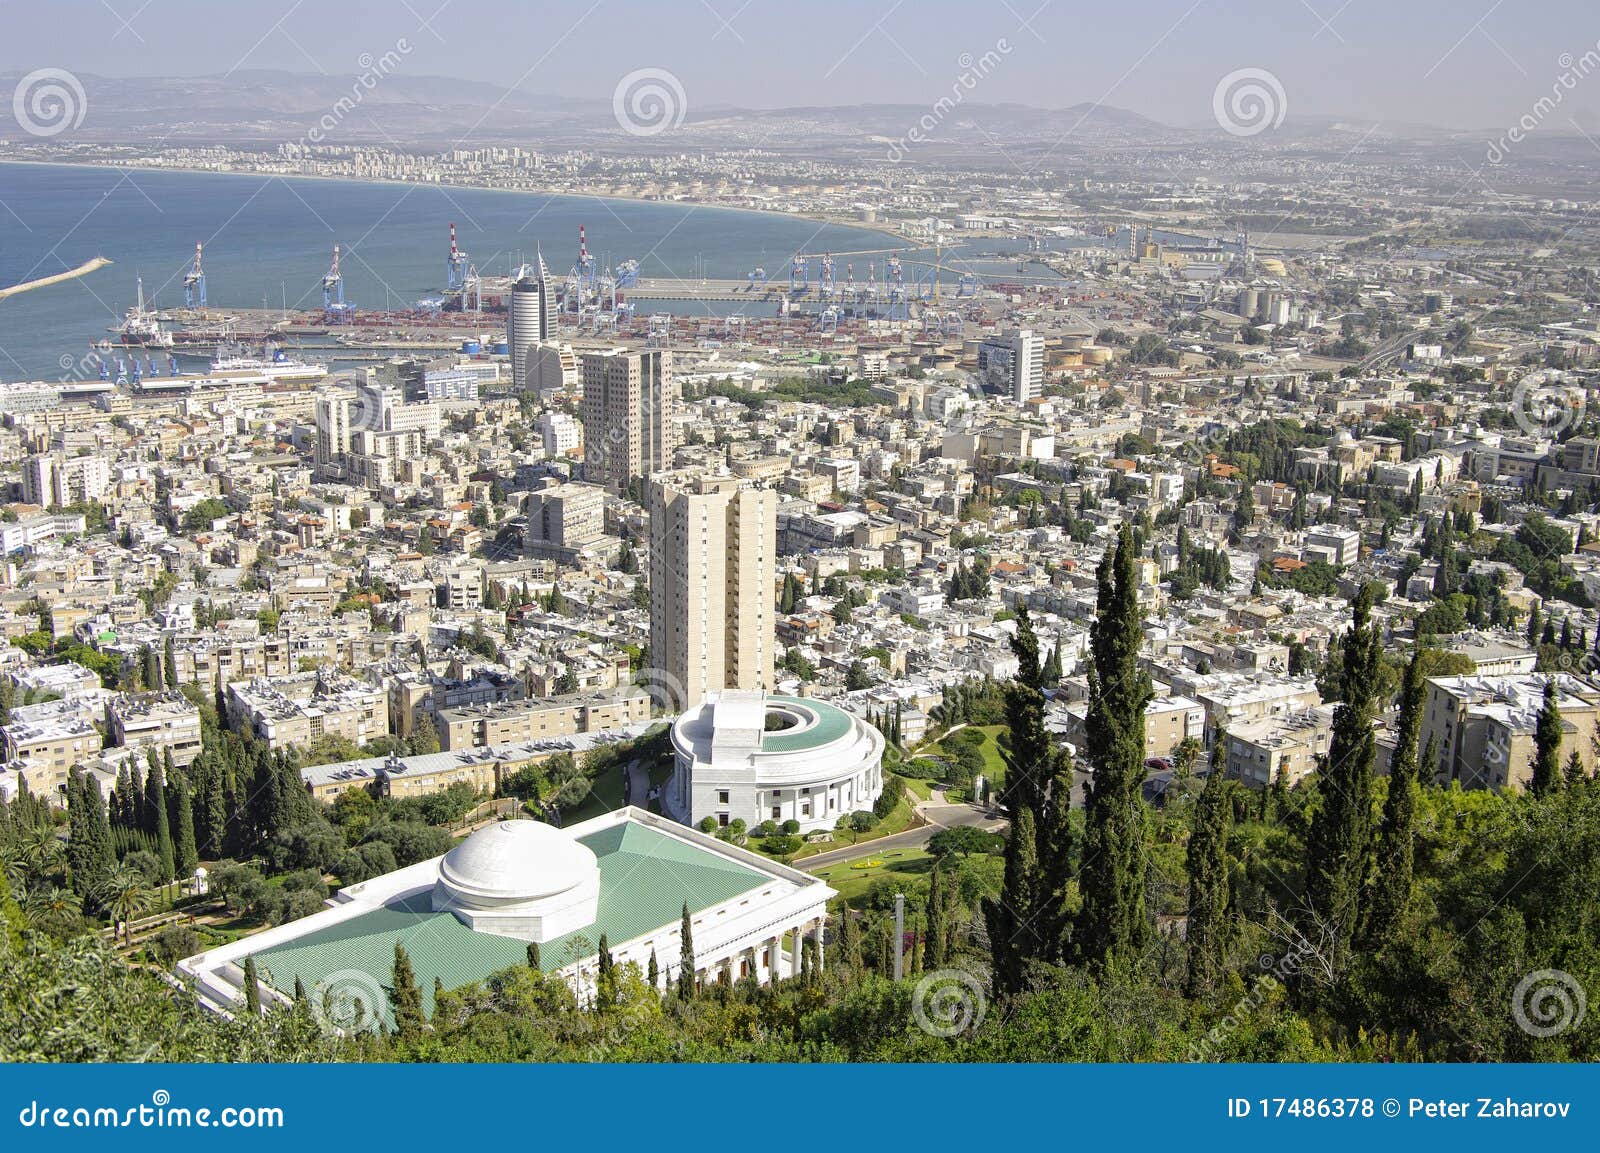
432	112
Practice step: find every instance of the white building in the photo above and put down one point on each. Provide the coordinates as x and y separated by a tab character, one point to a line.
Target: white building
756	757
624	876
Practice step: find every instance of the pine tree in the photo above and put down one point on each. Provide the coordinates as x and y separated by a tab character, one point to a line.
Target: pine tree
1207	860
1547	742
1114	923
252	987
686	956
405	996
1391	889
1339	847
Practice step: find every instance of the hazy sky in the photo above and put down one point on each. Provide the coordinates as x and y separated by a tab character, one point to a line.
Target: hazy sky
1477	64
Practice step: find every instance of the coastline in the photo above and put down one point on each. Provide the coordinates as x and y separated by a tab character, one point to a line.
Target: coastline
894	237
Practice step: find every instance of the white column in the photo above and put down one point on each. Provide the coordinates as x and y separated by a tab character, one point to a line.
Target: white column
822	927
795	935
774	950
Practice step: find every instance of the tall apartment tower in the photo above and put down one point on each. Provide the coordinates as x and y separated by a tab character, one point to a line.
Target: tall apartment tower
713	573
1027	366
628	409
527	323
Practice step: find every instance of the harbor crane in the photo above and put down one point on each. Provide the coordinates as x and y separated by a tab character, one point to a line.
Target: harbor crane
194	284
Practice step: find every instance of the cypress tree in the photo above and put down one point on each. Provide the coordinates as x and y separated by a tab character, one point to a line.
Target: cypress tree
1013	932
1207	860
1391	889
886	952
405	996
187	857
170	661
1574	772
606	977
90	854
1339	847
533	957
934	917
301	1001
124	809
156	803
1114	923
1547	743
686	956
252	987
653	972
849	939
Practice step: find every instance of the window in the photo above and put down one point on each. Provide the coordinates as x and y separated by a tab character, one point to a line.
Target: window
722	797
777	812
722	820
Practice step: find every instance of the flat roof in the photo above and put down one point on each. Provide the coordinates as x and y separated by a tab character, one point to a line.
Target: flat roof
646	877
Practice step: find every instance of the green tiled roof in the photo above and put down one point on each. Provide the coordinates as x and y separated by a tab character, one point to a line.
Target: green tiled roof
832	723
645	878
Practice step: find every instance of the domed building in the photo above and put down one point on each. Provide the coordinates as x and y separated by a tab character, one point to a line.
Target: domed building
625	876
754	756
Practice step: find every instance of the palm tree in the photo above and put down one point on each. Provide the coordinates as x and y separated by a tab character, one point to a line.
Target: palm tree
51	907
43	850
124	895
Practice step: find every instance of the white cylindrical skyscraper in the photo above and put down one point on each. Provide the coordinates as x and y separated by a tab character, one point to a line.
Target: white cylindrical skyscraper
527	323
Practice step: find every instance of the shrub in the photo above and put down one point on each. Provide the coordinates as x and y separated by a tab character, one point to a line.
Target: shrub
863	821
709	825
791	826
781	845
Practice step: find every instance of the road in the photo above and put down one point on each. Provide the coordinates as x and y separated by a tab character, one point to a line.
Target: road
938	815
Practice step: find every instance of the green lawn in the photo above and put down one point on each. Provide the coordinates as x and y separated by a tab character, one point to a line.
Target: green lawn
994	766
899	820
904	865
605	795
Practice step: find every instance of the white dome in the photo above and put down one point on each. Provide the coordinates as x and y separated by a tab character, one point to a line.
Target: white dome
520	879
515	861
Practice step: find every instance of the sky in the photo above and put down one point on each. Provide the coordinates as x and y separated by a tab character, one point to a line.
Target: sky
1470	64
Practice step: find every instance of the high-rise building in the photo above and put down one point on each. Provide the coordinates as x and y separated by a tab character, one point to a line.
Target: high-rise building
713	574
527	323
52	479
628	409
1013	365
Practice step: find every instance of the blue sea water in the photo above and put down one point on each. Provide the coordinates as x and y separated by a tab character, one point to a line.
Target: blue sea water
269	240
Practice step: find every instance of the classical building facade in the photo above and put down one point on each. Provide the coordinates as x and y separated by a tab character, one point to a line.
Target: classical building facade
755	757
625	876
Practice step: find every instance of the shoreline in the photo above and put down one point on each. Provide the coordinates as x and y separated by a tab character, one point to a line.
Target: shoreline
689	205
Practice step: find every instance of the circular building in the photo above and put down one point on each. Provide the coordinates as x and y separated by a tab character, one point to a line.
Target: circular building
755	757
521	879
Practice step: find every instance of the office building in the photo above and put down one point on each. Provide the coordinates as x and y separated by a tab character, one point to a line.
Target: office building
1013	365
527	323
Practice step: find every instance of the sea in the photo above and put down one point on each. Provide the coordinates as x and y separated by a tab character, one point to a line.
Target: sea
268	241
